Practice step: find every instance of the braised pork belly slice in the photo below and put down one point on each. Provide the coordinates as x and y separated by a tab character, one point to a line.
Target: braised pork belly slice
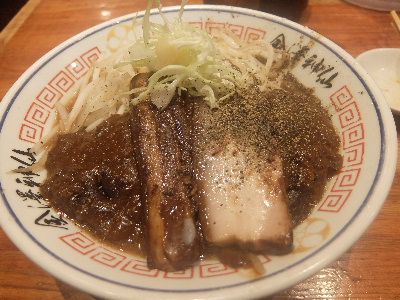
242	196
243	200
165	167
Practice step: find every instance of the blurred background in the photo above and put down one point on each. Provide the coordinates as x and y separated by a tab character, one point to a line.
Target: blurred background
9	8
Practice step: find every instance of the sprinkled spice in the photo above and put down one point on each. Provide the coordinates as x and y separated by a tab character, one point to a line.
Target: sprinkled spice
290	122
94	177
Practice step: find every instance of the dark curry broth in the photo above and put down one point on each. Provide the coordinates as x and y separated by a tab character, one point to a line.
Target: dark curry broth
93	178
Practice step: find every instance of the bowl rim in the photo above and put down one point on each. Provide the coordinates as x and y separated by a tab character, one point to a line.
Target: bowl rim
310	264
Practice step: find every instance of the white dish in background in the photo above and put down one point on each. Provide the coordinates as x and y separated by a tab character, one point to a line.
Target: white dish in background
384	5
383	65
351	202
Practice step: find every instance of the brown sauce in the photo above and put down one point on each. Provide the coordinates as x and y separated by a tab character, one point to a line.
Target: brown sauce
293	122
310	150
93	177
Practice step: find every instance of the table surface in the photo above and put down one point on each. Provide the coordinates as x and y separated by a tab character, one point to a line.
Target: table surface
370	269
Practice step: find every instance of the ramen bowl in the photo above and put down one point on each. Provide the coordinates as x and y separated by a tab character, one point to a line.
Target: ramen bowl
351	201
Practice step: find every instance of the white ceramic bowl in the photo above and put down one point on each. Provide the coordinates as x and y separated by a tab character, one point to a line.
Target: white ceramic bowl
351	201
384	67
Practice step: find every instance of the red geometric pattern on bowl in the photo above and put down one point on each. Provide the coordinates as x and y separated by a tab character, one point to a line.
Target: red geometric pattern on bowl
79	242
354	155
341	190
341	98
33	125
198	25
49	96
90	56
139	267
353	136
245	33
238	30
62	82
37	114
353	142
77	68
212	27
215	269
31	130
346	179
253	34
335	200
184	274
349	115
30	133
107	257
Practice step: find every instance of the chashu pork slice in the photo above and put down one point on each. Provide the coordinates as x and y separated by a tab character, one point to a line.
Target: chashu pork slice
172	239
241	194
243	201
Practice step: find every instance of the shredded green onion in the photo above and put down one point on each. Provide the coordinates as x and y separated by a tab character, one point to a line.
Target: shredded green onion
180	57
